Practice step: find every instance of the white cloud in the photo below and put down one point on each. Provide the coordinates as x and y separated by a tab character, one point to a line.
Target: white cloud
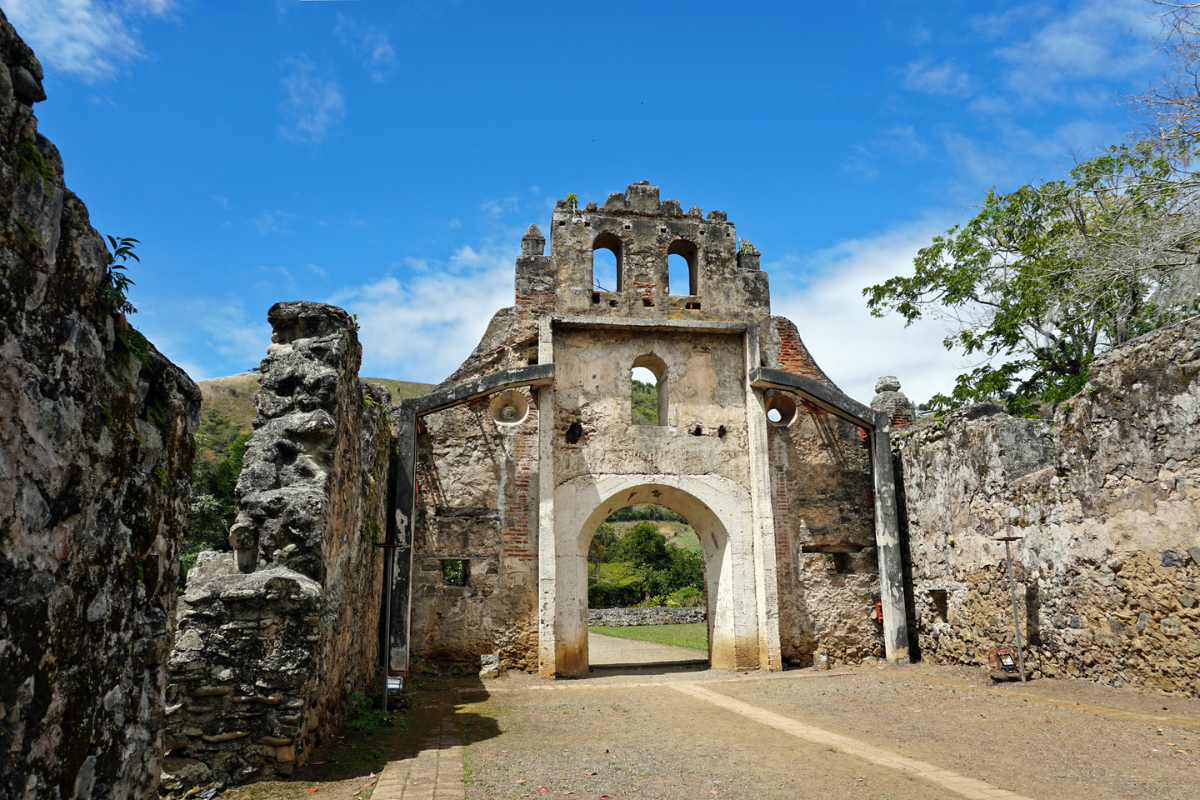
899	142
424	326
314	106
369	43
853	347
1094	41
946	78
495	209
270	222
86	38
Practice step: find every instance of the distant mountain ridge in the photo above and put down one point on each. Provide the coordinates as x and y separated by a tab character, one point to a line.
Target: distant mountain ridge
227	410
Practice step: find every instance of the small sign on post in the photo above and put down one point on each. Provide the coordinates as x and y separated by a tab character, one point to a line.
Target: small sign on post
1012	590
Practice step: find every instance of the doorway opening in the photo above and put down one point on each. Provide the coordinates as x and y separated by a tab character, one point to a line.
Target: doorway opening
647	592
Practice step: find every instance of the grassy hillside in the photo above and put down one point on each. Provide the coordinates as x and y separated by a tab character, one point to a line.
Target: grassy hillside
227	410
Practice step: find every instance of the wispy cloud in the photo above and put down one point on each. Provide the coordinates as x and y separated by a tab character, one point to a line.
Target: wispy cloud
853	347
314	106
944	78
90	39
370	43
899	142
421	327
206	336
1093	41
270	222
495	209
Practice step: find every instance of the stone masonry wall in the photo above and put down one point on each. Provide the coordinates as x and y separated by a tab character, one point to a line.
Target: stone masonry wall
1107	500
275	639
95	466
826	563
630	617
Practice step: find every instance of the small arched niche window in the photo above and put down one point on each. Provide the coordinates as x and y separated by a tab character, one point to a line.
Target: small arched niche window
681	268
606	263
648	401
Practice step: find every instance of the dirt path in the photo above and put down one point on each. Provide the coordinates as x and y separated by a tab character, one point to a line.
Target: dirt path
611	650
911	732
917	732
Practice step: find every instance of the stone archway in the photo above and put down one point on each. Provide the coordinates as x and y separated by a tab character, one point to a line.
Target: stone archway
719	510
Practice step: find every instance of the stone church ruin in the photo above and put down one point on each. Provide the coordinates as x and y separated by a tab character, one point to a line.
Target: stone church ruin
813	509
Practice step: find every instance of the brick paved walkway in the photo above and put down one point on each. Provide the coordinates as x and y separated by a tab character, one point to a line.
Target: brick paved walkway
435	773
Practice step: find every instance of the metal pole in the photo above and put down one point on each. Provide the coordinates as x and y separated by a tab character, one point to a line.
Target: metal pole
1012	590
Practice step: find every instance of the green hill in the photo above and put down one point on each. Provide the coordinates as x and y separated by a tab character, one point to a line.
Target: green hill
227	410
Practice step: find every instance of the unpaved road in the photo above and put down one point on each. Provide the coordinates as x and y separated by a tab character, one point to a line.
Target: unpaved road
689	734
867	732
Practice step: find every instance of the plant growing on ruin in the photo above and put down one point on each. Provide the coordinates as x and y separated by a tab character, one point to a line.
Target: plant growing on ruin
31	159
572	201
116	282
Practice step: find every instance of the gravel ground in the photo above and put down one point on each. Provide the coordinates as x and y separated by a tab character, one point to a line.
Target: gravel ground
627	733
632	735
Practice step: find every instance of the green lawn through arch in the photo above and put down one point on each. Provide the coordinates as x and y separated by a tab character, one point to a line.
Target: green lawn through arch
693	635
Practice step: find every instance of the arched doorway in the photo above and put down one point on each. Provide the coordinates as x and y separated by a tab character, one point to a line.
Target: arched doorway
651	551
719	511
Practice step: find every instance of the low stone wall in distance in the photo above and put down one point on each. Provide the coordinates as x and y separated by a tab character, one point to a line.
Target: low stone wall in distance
625	617
275	639
1106	500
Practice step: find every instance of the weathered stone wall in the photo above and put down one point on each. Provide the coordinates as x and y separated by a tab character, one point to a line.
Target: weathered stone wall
475	479
827	566
516	502
629	617
274	639
1107	500
95	466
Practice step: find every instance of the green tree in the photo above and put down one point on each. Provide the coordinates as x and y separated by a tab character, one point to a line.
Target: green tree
645	403
604	538
1021	285
214	504
643	546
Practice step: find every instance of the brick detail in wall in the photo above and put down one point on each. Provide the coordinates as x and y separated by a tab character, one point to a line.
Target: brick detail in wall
793	355
514	539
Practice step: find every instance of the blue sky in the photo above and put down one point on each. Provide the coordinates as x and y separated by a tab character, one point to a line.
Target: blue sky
386	156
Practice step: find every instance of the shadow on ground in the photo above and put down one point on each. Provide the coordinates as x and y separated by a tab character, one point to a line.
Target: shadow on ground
344	765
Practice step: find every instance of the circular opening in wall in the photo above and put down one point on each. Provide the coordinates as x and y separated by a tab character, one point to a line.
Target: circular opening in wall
509	408
781	409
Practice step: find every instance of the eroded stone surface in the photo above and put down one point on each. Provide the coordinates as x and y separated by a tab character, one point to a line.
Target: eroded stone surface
95	468
275	638
774	505
1106	499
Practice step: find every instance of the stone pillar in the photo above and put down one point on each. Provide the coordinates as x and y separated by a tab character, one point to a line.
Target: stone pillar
273	640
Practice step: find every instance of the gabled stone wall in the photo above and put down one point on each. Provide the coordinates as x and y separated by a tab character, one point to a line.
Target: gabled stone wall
1107	500
95	468
275	639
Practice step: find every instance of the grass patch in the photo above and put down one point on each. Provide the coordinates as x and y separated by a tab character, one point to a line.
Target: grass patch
693	635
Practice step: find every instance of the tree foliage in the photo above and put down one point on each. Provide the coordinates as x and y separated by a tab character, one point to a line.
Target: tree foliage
214	503
1043	279
645	403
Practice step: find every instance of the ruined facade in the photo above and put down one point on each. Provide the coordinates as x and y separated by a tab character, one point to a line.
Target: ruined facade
1106	500
530	445
274	640
95	469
